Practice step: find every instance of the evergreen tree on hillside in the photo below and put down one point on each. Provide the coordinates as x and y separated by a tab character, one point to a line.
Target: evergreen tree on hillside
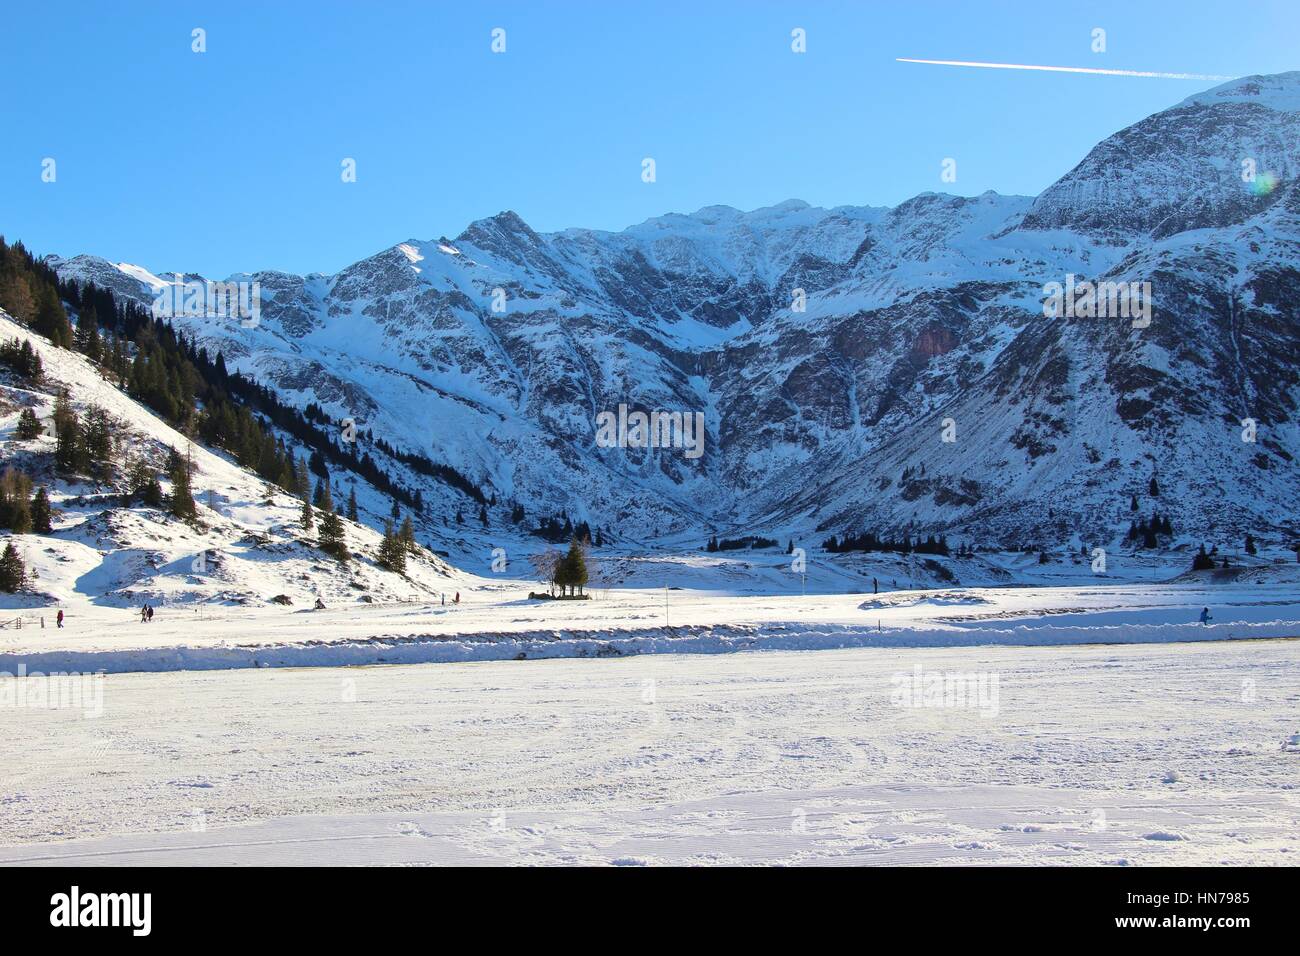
1202	561
392	551
307	518
29	426
86	339
51	321
13	573
67	434
1153	489
96	451
1250	545
330	538
178	473
40	510
142	484
15	508
352	503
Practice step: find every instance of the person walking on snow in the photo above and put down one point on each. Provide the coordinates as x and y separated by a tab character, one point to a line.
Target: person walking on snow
144	614
150	610
60	617
457	597
1205	615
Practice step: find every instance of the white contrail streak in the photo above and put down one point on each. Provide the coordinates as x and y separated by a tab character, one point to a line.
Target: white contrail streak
1067	69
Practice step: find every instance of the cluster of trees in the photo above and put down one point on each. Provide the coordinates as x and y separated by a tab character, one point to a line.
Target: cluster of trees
22	358
21	511
735	544
871	542
396	546
1147	531
1204	561
569	571
553	530
85	444
29	291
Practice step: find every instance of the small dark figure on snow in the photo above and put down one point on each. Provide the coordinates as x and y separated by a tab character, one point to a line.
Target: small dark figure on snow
1205	615
149	611
457	599
144	614
320	605
60	617
875	586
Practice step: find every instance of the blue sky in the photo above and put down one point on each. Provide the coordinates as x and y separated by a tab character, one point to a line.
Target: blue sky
230	160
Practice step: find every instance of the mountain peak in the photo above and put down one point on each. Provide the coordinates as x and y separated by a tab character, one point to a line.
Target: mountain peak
1276	91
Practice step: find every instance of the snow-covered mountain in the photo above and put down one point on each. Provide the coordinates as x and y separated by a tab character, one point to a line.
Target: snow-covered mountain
833	351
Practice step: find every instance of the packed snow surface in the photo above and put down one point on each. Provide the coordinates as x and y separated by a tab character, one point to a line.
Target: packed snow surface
1135	754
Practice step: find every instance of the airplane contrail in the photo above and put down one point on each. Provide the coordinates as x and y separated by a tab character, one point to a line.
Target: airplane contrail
1067	69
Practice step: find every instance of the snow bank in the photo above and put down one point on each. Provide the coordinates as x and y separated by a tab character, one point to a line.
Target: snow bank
535	645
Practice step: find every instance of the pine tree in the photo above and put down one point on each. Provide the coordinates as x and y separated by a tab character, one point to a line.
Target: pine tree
307	519
13	574
1202	561
29	426
40	510
330	538
407	535
97	444
352	503
483	515
392	551
1154	489
1133	506
178	472
67	433
1250	545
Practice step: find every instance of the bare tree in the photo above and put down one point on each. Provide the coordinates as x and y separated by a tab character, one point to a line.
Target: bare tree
545	564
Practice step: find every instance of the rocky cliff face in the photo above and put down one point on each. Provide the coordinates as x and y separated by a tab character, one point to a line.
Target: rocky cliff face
832	351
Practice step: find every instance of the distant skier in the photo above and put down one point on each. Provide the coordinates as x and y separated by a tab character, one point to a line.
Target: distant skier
60	617
149	608
1205	615
320	605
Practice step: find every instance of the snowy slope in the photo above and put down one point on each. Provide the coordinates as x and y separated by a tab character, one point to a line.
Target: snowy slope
247	548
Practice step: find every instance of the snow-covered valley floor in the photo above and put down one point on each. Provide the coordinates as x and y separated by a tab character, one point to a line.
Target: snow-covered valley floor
1168	753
